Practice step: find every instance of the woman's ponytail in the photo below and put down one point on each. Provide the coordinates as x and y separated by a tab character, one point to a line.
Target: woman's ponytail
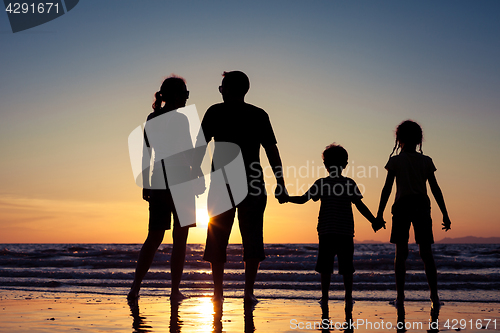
157	103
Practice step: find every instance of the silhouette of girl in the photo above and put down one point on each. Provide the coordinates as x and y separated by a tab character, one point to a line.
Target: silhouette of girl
412	170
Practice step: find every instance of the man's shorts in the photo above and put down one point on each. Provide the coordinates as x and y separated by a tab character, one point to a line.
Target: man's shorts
251	221
408	210
331	245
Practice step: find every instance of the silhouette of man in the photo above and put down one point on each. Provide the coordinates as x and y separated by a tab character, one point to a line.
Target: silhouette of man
250	128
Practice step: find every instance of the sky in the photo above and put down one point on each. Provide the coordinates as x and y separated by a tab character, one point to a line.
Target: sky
73	89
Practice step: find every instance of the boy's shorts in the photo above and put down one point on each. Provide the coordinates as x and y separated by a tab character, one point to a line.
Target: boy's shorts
414	210
161	208
251	222
331	245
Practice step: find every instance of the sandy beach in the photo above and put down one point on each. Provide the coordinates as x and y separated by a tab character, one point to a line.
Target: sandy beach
23	311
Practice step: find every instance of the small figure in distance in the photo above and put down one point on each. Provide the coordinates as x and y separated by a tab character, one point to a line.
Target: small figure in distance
412	170
336	222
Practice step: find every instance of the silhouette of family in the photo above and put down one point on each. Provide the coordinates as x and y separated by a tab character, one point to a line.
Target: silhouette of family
249	127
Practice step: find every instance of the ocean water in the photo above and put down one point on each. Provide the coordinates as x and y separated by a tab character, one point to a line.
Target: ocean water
467	272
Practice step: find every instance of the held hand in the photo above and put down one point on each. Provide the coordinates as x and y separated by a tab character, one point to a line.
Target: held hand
378	224
146	194
284	199
281	194
446	223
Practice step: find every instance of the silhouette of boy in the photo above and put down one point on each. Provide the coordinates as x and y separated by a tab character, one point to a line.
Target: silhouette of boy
335	221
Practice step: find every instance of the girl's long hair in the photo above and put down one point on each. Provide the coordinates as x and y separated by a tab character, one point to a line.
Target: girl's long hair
409	133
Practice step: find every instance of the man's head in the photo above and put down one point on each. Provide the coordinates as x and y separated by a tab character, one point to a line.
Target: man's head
235	85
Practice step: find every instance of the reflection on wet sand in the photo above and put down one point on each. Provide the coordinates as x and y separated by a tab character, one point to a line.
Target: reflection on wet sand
201	314
328	325
206	316
434	323
217	323
248	317
402	326
175	321
139	322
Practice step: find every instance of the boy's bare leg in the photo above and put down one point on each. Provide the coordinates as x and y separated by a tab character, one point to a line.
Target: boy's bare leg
348	289
430	272
251	269
148	250
348	296
177	260
400	270
218	277
325	287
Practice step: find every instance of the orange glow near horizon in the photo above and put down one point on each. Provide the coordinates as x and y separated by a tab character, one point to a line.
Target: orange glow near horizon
28	220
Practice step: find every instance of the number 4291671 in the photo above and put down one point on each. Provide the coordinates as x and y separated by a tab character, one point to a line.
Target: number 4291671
24	8
484	324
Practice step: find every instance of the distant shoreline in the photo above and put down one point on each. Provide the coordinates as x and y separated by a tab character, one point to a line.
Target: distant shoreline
446	240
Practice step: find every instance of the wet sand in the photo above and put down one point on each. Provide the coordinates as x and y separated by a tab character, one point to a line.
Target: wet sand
23	311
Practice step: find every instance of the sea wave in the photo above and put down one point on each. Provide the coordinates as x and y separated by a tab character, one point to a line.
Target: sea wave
464	269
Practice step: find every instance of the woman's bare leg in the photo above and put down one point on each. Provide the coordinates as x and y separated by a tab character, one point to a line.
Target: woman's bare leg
148	250
177	260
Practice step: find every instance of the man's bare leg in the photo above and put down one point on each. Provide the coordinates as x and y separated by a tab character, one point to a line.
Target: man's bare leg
218	277
251	269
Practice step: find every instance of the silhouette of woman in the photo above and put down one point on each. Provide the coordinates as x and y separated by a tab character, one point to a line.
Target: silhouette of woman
167	140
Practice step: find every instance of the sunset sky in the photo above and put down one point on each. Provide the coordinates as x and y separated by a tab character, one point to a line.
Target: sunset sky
73	89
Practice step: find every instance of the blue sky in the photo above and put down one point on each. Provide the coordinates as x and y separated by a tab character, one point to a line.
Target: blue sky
72	90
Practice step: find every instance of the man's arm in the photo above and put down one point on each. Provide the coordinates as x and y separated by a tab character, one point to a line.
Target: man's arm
438	195
201	145
273	155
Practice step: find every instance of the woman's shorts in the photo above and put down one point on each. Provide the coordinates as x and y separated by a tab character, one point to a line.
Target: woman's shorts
161	203
161	210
